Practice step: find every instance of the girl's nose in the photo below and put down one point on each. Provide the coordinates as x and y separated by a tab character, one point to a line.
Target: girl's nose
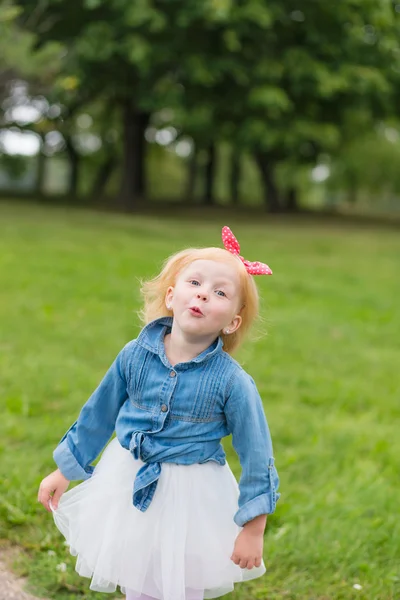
202	296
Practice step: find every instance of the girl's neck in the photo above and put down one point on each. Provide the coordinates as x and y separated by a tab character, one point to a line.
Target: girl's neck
179	348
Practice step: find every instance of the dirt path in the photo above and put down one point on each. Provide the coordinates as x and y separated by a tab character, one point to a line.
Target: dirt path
11	586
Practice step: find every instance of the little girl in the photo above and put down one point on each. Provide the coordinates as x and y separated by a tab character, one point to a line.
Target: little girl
161	515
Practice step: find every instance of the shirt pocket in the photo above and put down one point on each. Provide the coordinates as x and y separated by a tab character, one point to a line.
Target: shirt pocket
144	390
201	403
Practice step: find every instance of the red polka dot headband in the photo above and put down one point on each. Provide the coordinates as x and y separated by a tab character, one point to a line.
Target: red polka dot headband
232	245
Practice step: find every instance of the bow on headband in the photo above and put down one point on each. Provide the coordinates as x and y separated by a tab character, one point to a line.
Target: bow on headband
232	245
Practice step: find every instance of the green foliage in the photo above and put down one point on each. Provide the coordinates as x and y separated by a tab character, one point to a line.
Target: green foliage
9	12
284	82
17	49
14	166
327	371
275	64
368	167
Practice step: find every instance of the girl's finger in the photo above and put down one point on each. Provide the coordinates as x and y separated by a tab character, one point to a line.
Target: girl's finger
257	562
243	563
40	493
56	498
44	498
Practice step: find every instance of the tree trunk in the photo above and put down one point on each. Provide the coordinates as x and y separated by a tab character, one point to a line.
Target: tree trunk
74	162
292	203
192	168
234	177
352	191
271	193
41	165
102	177
209	198
132	185
142	121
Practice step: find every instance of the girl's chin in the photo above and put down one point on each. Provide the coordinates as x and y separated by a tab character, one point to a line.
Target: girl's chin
197	326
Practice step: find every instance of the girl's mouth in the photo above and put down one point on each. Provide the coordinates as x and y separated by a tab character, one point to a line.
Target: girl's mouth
196	311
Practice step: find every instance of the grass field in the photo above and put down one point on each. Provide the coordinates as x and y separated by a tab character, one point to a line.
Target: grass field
328	371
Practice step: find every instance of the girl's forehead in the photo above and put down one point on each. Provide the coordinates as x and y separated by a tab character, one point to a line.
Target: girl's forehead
207	267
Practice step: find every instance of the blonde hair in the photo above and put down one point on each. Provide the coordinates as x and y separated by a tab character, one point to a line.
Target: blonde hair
154	291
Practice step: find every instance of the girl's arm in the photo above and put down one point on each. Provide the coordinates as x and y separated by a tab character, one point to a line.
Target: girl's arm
251	439
86	438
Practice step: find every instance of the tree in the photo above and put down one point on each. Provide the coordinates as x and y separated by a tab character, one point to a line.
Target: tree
286	84
21	67
281	83
116	51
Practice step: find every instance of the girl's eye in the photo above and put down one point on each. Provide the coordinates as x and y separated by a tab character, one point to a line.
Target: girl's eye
220	293
194	282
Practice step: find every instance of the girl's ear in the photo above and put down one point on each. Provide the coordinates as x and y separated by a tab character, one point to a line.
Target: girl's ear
233	325
169	297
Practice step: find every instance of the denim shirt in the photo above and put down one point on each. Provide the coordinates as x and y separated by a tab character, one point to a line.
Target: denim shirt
175	414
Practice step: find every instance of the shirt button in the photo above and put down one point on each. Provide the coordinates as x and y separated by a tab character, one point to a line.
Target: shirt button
172	373
164	408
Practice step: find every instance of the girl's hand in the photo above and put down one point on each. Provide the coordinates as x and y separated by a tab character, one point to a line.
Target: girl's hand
248	549
52	488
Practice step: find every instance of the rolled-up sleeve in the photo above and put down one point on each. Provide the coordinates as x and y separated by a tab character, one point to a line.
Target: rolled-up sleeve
259	481
87	437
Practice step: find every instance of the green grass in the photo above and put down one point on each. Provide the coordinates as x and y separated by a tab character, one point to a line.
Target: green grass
328	371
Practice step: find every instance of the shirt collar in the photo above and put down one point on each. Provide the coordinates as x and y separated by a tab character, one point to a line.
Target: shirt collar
152	338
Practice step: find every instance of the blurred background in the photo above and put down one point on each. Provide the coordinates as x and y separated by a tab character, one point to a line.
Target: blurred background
130	130
283	105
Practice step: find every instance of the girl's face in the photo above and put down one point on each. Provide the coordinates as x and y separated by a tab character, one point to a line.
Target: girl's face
206	299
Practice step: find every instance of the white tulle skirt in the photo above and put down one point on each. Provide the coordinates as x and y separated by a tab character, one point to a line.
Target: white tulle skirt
183	541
